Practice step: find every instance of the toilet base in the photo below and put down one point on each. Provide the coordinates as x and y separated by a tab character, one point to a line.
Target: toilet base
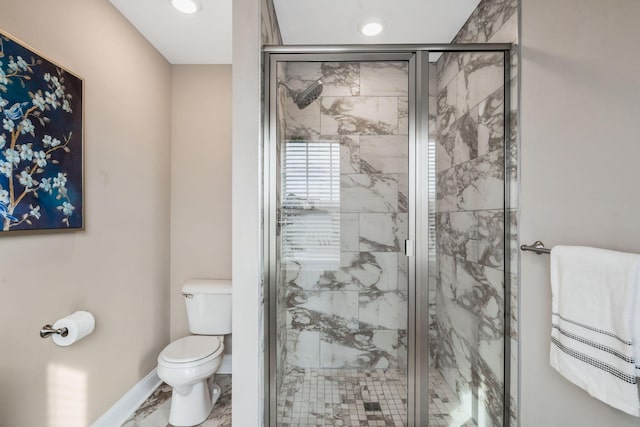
193	408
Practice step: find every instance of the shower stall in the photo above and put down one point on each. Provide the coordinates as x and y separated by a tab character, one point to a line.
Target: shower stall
387	235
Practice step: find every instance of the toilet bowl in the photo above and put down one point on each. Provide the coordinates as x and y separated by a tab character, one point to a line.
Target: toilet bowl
186	365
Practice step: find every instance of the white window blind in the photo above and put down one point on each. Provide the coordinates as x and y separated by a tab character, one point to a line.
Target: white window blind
310	212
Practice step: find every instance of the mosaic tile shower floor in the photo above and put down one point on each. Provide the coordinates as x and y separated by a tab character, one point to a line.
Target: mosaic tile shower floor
336	397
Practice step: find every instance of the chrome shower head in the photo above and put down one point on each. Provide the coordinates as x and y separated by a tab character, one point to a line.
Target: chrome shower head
306	96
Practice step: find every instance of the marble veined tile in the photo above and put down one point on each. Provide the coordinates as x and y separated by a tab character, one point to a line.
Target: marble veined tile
349	232
492	352
491	238
368	193
303	348
474	185
383	232
362	348
370	270
341	78
358	271
459	140
403	272
466	79
403	115
475	236
269	31
444	154
343	355
433	79
459	339
479	290
296	273
448	68
483	74
490	394
433	115
359	115
402	348
302	124
403	192
349	151
447	191
349	154
447	276
449	120
480	182
154	412
343	304
486	20
383	310
299	75
446	108
389	342
384	154
384	79
460	239
508	32
514	306
491	123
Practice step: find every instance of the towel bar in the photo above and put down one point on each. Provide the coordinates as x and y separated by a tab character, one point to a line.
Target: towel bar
537	247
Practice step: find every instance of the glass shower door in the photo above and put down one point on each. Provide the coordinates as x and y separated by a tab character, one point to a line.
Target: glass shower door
358	334
341	178
468	270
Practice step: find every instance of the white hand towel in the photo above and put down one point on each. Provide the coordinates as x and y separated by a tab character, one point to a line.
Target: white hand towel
595	334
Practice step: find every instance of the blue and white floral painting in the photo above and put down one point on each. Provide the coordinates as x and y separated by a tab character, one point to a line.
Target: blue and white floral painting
40	142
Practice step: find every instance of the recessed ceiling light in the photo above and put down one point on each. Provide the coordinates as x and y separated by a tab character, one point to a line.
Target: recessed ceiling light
187	6
372	28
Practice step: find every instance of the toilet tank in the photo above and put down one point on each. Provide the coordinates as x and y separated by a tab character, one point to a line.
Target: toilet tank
208	303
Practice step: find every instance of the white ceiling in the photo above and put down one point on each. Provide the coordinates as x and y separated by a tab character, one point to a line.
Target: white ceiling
201	38
337	21
205	37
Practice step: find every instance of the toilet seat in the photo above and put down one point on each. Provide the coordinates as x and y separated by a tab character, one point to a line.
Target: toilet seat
191	350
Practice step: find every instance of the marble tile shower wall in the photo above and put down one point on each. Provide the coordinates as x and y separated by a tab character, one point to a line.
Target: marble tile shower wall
469	329
354	316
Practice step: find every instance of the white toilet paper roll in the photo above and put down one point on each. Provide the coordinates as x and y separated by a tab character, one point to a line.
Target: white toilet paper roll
79	324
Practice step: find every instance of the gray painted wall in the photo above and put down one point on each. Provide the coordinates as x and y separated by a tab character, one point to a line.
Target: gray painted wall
580	150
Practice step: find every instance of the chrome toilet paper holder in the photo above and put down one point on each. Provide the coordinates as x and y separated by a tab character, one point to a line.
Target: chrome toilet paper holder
48	330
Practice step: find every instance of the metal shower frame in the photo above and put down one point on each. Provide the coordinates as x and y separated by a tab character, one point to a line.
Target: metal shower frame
417	55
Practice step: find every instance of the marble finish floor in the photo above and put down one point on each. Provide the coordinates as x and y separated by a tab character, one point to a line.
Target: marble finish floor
336	397
154	412
326	397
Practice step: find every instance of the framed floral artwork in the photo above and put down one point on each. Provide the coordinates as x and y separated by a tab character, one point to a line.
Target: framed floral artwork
41	142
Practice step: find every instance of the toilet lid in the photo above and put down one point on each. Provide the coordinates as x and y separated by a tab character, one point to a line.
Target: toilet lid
191	348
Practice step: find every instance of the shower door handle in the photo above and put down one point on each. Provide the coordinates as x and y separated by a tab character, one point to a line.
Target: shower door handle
409	247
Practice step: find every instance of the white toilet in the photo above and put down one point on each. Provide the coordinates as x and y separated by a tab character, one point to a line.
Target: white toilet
188	363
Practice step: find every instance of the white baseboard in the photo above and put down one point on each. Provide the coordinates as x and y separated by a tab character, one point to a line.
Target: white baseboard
127	405
225	366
